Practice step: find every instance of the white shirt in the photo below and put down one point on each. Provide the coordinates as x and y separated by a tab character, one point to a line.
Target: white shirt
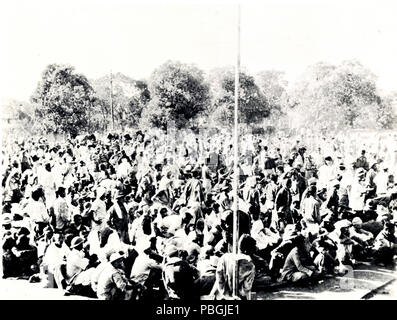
54	256
47	180
75	262
172	223
325	175
62	212
141	268
262	235
99	214
123	169
37	211
357	196
381	182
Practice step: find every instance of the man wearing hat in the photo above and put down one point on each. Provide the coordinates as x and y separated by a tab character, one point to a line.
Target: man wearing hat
326	173
310	210
26	253
385	245
61	211
283	202
6	222
381	180
124	168
37	212
369	213
76	262
10	263
117	217
270	192
358	192
341	237
250	192
309	167
178	275
47	180
98	209
298	265
362	162
113	283
369	180
310	182
193	191
146	269
363	239
332	201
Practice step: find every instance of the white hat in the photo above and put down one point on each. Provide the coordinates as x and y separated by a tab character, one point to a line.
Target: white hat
76	241
116	256
7	219
357	221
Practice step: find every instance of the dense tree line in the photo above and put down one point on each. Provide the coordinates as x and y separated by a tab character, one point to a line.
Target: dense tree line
325	97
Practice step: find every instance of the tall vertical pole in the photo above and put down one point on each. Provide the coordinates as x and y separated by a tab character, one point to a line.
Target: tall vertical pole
89	117
236	157
111	99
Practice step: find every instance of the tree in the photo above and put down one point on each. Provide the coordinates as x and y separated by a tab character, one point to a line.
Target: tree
129	97
17	117
273	86
336	97
178	94
386	114
253	106
138	101
63	98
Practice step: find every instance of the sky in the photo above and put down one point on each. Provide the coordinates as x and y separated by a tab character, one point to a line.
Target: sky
135	37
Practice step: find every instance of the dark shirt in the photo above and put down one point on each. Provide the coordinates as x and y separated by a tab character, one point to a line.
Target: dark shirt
296	262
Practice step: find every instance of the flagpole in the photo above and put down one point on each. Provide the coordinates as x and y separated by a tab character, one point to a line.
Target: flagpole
236	158
111	99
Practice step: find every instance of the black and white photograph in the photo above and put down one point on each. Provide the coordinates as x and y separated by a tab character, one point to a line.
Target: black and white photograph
193	151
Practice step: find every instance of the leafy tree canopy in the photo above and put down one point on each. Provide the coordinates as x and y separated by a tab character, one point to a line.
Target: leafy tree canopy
63	98
253	105
179	93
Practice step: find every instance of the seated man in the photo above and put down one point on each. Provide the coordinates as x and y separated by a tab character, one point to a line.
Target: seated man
174	222
360	235
54	257
178	275
206	267
385	245
76	273
266	239
10	261
341	237
146	270
223	287
26	256
280	253
112	282
324	253
363	240
298	265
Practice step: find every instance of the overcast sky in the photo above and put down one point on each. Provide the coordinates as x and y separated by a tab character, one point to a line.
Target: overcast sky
135	37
